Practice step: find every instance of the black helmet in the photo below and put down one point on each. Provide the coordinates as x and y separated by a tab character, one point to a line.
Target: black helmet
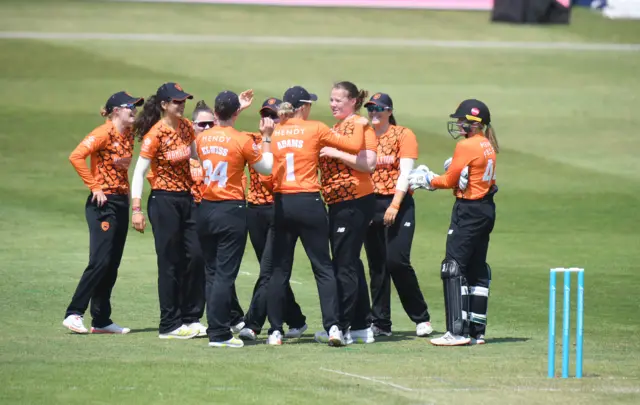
471	111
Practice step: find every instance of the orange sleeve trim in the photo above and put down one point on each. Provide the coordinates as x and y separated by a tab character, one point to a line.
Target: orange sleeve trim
91	144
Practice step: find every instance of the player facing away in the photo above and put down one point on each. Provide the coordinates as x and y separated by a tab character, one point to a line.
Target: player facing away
203	119
299	210
390	234
465	273
106	210
222	215
260	224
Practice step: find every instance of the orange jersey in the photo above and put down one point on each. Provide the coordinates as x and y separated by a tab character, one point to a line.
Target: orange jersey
259	185
169	151
395	144
477	153
296	144
197	176
110	153
339	181
224	152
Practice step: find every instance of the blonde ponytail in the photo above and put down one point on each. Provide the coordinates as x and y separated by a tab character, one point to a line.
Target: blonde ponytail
490	133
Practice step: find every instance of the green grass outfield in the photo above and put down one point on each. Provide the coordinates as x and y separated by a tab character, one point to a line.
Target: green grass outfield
568	175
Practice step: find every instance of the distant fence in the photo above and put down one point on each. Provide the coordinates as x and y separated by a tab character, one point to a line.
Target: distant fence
423	4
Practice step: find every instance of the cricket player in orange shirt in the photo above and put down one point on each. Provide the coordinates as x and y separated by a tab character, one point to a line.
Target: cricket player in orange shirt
167	144
390	235
203	119
465	273
107	212
260	224
222	215
348	192
299	210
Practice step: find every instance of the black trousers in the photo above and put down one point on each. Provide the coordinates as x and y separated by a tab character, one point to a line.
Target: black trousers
108	227
260	224
348	223
196	291
301	216
222	229
472	222
180	262
389	256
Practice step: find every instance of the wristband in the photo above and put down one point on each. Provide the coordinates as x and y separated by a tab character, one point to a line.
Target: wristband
136	209
138	212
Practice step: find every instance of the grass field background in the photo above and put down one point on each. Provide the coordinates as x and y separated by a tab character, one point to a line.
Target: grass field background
568	176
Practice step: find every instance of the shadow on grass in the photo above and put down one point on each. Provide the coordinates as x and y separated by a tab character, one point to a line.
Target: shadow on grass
491	341
143	330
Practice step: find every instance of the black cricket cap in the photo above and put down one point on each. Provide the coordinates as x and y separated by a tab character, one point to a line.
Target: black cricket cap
172	91
122	98
380	99
298	96
473	110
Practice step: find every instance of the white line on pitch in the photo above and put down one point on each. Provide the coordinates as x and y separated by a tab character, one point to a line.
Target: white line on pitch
362	377
329	41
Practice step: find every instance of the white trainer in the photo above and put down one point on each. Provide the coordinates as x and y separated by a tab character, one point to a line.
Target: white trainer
295	333
380	332
275	339
450	339
360	336
74	324
111	329
183	332
424	329
233	342
336	338
247	334
197	326
237	327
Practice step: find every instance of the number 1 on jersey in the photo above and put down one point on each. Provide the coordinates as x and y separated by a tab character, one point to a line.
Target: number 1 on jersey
219	173
489	172
291	176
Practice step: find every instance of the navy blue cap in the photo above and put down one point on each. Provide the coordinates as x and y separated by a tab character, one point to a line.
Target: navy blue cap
172	91
120	99
380	99
227	101
298	96
271	104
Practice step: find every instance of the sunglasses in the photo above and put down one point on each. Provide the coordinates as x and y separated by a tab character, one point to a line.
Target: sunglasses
178	102
204	124
129	106
376	108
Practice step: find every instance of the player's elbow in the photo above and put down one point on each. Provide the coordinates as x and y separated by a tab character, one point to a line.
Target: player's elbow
372	159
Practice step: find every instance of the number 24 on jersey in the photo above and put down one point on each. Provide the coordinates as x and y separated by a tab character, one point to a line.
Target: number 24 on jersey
215	174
